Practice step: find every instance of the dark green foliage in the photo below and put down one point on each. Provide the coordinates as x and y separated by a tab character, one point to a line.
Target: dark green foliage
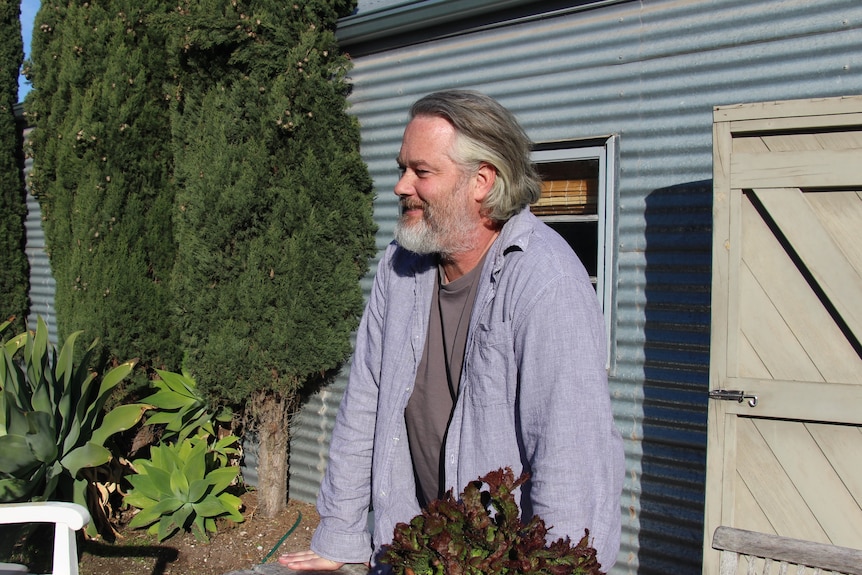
102	172
202	189
14	269
274	221
462	537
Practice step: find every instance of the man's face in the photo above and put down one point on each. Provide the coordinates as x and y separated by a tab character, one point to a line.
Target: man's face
438	211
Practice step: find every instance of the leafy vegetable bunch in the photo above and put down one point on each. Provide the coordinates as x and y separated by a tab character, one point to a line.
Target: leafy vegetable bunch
463	537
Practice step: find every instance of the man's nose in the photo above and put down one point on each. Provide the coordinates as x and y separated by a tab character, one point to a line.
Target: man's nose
403	186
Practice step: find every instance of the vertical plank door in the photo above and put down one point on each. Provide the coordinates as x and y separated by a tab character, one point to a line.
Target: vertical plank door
784	448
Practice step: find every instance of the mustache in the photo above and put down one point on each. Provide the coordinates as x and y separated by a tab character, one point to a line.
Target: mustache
411	204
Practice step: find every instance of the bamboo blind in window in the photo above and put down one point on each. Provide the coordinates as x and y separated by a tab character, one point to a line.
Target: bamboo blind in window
567	197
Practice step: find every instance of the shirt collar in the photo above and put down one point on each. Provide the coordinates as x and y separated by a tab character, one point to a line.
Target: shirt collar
515	236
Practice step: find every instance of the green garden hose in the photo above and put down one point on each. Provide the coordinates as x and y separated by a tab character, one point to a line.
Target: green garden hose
283	537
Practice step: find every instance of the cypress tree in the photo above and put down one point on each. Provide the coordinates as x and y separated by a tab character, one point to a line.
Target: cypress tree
102	173
14	269
274	209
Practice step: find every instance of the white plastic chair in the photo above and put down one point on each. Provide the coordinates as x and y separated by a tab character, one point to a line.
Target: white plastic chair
67	519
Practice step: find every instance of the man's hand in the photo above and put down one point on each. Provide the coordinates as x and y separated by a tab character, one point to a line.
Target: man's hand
308	561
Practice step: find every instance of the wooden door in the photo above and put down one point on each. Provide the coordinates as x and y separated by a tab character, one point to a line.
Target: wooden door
787	322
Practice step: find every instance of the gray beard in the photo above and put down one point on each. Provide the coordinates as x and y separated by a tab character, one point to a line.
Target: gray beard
417	238
431	235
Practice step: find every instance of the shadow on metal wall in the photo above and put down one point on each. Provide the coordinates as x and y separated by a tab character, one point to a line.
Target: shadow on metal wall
676	370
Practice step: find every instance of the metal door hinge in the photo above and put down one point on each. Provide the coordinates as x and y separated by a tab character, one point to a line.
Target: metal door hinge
733	395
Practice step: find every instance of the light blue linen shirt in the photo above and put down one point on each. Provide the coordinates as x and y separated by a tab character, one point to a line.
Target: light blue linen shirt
533	397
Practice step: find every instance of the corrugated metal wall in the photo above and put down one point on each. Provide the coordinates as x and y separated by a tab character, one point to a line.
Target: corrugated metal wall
42	285
651	72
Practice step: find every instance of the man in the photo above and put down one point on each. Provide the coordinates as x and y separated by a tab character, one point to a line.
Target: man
482	346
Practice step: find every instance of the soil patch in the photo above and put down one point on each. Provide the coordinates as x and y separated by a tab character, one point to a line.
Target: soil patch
236	546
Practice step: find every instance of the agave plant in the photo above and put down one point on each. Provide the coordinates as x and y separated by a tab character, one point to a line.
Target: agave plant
183	486
52	419
182	408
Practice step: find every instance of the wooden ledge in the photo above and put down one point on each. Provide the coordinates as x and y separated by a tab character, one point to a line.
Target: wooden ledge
277	569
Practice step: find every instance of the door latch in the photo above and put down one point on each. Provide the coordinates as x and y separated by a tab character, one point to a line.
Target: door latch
733	395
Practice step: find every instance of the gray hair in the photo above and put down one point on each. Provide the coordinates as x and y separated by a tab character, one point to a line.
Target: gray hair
486	132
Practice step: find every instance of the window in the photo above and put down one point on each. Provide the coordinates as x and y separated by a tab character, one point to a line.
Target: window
579	179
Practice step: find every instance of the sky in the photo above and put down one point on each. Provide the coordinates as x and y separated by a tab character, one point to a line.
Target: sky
28	14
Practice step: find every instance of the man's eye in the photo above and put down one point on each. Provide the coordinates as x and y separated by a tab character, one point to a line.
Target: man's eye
422	173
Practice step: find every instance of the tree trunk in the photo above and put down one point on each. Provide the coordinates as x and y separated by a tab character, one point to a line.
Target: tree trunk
272	411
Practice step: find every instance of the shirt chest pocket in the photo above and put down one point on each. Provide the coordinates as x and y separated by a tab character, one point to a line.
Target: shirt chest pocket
490	369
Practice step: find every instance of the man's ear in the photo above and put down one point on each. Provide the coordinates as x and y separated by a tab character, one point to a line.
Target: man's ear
485	178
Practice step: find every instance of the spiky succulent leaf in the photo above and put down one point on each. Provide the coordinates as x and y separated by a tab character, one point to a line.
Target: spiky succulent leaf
16	458
199	528
182	408
41	436
167	526
16	489
209	506
163	508
87	455
119	419
232	504
180	485
221	478
198	490
166	400
139	499
195	462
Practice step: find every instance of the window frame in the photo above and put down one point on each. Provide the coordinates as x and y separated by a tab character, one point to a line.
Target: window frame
606	151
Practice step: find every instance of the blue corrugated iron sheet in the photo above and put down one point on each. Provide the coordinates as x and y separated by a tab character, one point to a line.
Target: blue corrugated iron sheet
651	72
42	285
